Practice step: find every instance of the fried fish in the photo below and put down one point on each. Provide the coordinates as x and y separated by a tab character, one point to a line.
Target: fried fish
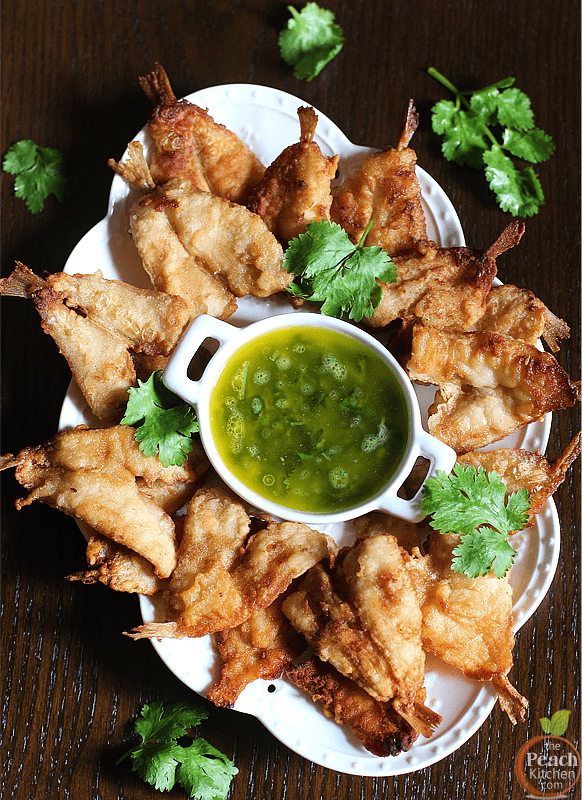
443	287
92	475
386	192
99	325
296	188
489	384
223	578
191	146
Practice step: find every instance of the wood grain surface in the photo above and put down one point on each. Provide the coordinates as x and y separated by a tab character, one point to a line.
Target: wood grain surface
71	682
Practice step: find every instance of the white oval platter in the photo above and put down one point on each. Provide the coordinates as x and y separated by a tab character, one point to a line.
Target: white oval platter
266	119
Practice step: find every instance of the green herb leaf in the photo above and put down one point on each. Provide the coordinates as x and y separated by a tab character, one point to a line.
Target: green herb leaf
38	173
156	762
558	723
481	551
546	724
165	423
163	724
202	770
336	273
517	190
464	133
477	506
533	145
310	40
483	129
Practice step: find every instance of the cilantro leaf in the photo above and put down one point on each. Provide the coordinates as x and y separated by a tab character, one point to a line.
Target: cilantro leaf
517	190
464	133
533	145
38	173
330	270
157	722
476	505
483	550
483	129
166	425
310	40
156	762
202	770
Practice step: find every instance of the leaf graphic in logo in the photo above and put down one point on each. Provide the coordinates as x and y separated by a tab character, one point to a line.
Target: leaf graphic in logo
546	724
560	722
556	726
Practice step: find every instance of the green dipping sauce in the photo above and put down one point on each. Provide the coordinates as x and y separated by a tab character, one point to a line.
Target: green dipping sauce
309	418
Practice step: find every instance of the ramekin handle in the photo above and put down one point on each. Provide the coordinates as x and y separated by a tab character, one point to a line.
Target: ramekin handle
176	370
441	457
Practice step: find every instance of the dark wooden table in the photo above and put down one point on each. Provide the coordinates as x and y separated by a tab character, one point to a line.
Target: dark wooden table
72	684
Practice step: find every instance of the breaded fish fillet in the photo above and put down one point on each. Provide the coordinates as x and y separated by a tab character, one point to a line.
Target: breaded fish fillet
262	647
91	474
489	384
377	725
219	582
385	190
443	287
518	313
205	249
296	188
521	469
467	622
190	145
363	617
98	325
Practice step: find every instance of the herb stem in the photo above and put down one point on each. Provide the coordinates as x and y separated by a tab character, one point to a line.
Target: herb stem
434	73
460	98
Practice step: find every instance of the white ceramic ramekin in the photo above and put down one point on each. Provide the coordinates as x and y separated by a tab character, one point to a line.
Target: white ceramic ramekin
229	339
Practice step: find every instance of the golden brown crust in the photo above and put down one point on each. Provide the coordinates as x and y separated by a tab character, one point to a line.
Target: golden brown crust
296	188
261	647
385	190
378	726
521	469
445	288
489	384
190	145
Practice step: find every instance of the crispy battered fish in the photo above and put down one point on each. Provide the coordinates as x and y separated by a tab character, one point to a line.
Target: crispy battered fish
467	622
221	579
489	384
364	619
377	725
92	475
518	313
443	287
190	145
386	191
262	647
99	325
520	469
377	523
119	568
205	249
296	188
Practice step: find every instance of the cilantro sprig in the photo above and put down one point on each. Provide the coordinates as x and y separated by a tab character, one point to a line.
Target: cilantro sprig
310	40
486	129
202	770
38	173
165	423
476	505
342	276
